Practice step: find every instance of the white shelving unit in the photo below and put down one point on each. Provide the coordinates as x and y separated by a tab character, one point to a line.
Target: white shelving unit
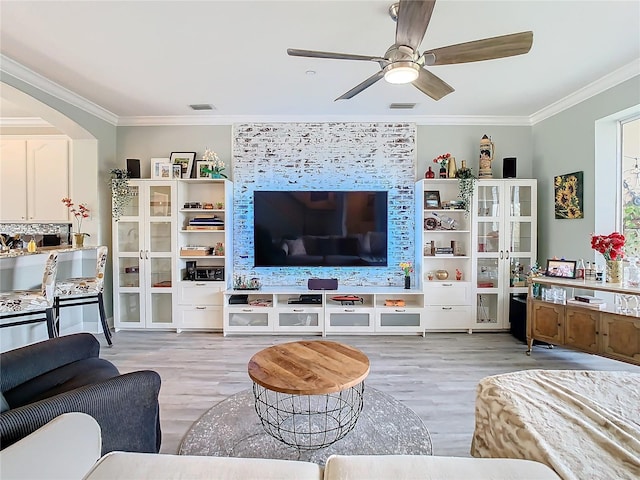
269	311
448	302
200	298
504	243
144	242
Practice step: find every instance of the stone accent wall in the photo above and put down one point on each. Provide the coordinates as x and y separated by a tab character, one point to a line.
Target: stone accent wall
326	156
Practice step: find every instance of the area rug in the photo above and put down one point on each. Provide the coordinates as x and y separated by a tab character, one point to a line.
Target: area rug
232	429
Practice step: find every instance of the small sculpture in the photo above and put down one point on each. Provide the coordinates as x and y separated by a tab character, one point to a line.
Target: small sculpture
486	156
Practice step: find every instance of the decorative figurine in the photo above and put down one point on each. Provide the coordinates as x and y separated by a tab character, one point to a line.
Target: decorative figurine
486	156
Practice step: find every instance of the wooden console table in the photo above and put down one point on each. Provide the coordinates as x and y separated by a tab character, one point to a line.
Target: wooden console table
600	332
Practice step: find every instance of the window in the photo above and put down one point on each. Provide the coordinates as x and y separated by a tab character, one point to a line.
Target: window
630	208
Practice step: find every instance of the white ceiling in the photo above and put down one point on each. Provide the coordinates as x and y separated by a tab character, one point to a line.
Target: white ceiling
153	58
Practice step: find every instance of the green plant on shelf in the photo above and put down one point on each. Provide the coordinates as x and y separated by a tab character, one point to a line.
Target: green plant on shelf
466	184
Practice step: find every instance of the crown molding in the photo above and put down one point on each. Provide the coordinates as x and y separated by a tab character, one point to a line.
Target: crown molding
26	75
34	79
23	122
233	119
611	80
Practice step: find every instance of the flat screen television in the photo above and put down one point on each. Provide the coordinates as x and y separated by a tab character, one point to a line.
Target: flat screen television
320	228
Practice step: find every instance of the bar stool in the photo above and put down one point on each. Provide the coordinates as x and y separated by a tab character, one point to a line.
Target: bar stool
72	292
37	304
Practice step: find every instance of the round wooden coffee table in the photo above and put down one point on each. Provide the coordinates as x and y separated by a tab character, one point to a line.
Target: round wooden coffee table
308	394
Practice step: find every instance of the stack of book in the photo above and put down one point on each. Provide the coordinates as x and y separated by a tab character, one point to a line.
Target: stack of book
444	252
588	301
206	223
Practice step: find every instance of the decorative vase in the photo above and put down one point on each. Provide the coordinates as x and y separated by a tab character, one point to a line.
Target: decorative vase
407	282
614	271
216	175
452	170
430	174
443	172
442	274
78	239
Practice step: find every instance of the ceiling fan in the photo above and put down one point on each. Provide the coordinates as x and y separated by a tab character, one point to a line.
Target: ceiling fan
402	63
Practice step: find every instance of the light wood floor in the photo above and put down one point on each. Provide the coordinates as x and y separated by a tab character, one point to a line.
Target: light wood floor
435	376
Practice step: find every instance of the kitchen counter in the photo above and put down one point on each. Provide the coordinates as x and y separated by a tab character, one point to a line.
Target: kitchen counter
20	269
21	252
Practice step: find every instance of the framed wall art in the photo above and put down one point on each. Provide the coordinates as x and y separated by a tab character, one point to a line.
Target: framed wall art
432	199
185	160
177	170
204	169
156	172
568	190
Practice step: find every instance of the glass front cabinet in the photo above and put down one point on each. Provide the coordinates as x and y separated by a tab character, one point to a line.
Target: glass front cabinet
505	246
144	240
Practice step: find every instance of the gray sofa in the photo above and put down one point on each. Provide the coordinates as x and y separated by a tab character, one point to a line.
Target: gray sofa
41	381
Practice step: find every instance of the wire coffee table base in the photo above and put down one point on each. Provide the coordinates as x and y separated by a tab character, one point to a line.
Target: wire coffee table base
308	422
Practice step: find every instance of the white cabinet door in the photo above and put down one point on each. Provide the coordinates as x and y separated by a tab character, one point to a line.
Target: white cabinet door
48	179
144	242
505	246
13	180
34	178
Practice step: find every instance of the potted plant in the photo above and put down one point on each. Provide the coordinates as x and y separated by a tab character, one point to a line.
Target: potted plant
466	183
81	212
120	192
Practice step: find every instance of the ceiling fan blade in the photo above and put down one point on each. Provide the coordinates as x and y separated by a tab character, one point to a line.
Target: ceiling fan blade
294	52
486	49
413	19
358	88
431	85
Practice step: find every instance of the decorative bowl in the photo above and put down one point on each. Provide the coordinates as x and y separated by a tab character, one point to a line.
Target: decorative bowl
442	274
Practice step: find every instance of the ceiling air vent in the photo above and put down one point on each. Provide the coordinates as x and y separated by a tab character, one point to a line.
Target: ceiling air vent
201	106
402	106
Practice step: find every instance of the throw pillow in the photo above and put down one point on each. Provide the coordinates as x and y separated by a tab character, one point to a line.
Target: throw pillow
296	247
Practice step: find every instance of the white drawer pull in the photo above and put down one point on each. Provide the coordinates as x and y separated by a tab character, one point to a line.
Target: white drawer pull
447	284
298	310
200	284
201	308
349	309
247	309
400	310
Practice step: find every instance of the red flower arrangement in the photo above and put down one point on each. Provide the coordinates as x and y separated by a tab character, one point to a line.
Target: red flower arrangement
80	213
442	159
610	246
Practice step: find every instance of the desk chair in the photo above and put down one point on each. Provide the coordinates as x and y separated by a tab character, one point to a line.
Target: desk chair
32	305
72	292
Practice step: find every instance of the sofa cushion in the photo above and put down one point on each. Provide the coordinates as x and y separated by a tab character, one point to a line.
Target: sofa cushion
296	247
123	465
62	379
4	406
424	467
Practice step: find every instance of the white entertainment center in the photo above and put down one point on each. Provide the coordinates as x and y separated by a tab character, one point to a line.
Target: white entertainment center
154	286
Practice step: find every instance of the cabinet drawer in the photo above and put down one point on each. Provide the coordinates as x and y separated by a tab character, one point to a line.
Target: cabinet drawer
200	317
447	293
448	318
200	293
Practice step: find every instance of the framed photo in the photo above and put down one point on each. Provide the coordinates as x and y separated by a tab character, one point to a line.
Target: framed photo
432	199
177	170
202	169
561	268
166	171
185	159
155	167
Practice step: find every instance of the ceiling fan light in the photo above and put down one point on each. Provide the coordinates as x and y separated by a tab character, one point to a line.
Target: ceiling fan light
406	72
